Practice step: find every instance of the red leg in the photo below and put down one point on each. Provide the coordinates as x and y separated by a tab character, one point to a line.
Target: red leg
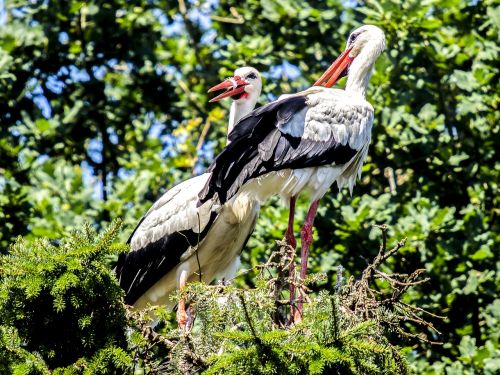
307	237
182	317
290	236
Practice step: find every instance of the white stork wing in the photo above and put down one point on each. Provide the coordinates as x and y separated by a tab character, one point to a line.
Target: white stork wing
317	127
174	211
172	226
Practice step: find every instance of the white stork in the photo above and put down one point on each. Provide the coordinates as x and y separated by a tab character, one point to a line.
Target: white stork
303	142
176	241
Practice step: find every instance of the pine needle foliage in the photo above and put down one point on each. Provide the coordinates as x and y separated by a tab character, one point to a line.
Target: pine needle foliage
249	331
62	312
60	305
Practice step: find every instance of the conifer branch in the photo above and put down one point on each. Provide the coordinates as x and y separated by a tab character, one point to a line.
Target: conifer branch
249	321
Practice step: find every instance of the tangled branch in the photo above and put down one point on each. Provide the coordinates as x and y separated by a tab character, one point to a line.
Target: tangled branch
364	301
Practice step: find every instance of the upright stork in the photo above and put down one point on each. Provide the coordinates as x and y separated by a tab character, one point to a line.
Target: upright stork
176	241
303	142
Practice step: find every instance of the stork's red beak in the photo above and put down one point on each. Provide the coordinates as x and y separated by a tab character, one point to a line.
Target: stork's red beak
234	86
336	71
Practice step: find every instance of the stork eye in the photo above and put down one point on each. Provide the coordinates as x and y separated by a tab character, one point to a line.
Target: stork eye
353	37
251	76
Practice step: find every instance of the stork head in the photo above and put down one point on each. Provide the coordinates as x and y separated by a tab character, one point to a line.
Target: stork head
367	38
363	46
244	86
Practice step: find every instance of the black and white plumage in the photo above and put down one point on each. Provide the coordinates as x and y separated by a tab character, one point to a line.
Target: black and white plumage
303	142
175	234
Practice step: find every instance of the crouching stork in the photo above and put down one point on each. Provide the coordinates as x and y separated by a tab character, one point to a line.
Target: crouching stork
176	241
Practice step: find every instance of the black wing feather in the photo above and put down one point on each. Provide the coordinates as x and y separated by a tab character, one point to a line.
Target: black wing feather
139	270
258	147
251	124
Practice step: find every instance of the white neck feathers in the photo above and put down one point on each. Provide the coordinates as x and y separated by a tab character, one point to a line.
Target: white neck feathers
360	72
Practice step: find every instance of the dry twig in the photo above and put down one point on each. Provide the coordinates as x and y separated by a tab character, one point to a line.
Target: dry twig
236	19
366	302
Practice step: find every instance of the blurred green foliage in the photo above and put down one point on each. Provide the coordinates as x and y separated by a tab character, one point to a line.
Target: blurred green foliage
102	104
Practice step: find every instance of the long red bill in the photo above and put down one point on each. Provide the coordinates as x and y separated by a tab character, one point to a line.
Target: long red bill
334	72
233	86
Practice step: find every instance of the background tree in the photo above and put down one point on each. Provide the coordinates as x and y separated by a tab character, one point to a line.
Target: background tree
103	107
